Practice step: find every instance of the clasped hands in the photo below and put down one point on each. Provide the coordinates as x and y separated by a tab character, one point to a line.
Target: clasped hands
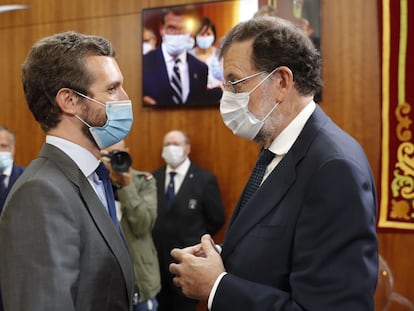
197	268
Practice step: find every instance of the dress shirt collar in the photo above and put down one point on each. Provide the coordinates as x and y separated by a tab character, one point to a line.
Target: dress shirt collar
170	59
181	170
83	158
7	171
284	141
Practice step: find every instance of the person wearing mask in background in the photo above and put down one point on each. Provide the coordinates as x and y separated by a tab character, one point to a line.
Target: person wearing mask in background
136	197
189	205
171	75
61	244
303	234
149	41
8	170
205	51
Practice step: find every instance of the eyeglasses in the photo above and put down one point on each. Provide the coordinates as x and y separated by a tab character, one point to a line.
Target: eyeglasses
231	85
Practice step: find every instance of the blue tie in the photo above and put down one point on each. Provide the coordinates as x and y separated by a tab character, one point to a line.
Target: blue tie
265	157
2	191
103	174
170	193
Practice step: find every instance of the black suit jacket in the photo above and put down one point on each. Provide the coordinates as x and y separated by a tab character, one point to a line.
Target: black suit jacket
16	172
59	247
156	83
196	209
306	240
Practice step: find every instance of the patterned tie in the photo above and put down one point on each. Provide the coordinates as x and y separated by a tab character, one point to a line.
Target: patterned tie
103	174
170	193
265	157
176	84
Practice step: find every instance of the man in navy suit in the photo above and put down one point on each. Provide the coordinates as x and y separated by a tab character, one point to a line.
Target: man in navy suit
194	209
8	170
158	66
305	239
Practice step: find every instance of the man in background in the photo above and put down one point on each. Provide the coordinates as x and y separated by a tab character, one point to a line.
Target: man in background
8	170
171	75
189	205
136	197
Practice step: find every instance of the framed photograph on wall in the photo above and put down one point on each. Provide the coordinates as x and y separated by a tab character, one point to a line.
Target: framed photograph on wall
180	65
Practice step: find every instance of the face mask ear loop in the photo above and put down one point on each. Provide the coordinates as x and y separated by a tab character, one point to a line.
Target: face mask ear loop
261	82
84	122
90	98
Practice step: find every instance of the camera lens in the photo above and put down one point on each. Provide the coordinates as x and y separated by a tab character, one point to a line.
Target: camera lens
120	161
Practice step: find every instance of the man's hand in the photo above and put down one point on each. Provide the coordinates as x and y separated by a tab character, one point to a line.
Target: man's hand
197	268
118	178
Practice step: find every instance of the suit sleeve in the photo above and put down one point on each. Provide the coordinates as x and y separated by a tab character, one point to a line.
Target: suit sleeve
213	206
43	225
139	203
334	258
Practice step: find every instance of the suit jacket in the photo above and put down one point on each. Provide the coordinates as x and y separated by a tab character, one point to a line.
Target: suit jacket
139	211
59	247
196	209
306	240
16	172
157	84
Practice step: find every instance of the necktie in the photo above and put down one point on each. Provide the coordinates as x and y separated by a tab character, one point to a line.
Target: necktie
103	174
170	193
265	157
176	84
2	190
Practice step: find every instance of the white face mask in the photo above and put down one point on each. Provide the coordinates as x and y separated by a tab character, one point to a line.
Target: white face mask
147	47
236	115
204	42
177	44
173	155
6	159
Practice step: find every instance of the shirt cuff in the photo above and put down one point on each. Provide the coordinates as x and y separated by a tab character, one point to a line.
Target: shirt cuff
213	290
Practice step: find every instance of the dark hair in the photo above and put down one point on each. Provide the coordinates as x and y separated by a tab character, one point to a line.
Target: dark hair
177	10
204	24
277	42
56	62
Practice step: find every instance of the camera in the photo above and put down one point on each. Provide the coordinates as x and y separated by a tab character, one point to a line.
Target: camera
120	160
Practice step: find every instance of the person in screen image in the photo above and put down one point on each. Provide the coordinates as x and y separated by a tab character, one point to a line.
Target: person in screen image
204	50
171	76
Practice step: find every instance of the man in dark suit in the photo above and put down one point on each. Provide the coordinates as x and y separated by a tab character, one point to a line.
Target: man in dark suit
194	208
8	170
171	76
61	248
303	234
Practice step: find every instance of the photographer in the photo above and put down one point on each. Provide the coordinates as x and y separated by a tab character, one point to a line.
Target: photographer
136	198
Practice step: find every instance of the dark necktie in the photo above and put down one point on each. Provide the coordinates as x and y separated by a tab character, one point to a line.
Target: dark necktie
103	174
2	190
176	84
265	157
170	193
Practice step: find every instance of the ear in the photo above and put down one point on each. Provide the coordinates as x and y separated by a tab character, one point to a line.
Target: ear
67	100
284	82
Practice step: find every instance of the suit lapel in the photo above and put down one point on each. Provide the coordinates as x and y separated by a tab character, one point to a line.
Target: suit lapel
95	208
267	197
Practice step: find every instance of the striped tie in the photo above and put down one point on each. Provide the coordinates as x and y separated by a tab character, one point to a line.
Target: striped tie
176	84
